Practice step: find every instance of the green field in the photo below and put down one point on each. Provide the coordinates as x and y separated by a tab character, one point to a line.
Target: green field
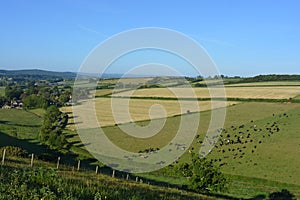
274	160
24	125
2	91
21	128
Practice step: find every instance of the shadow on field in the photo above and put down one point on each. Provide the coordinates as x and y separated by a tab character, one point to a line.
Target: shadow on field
41	152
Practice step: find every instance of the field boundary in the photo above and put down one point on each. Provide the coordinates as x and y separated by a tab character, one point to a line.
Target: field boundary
293	100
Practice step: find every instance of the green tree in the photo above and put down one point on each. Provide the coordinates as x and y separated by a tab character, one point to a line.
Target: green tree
2	101
51	131
205	176
13	92
34	101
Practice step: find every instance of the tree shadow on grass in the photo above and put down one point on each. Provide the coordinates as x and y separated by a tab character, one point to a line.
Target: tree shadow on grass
41	151
284	194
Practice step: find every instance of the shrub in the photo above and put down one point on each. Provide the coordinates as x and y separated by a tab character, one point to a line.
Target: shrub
14	151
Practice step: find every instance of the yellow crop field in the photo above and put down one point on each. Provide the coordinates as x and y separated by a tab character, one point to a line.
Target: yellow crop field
231	92
269	83
103	92
108	109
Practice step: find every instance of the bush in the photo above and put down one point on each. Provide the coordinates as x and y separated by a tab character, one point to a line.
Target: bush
206	177
14	151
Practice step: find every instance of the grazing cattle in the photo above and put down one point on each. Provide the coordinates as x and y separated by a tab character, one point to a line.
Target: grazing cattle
223	164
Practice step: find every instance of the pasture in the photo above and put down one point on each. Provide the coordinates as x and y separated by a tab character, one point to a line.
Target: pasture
20	128
231	92
268	151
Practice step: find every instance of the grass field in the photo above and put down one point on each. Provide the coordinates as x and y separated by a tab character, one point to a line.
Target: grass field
2	91
20	128
231	92
268	154
274	164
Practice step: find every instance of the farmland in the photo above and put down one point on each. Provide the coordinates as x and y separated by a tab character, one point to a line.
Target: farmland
231	92
139	109
256	164
258	171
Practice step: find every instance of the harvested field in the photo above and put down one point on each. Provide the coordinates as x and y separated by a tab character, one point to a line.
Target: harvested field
232	92
139	109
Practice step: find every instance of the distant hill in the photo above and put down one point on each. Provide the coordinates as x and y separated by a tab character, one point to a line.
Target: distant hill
36	73
43	74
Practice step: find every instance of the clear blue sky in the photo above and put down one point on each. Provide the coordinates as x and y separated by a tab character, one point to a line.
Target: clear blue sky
243	37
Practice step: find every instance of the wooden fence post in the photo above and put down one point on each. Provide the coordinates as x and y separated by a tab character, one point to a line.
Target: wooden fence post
57	165
136	179
97	169
113	174
31	162
127	177
78	165
3	156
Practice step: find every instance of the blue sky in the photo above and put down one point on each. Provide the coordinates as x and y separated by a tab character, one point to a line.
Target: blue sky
243	37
